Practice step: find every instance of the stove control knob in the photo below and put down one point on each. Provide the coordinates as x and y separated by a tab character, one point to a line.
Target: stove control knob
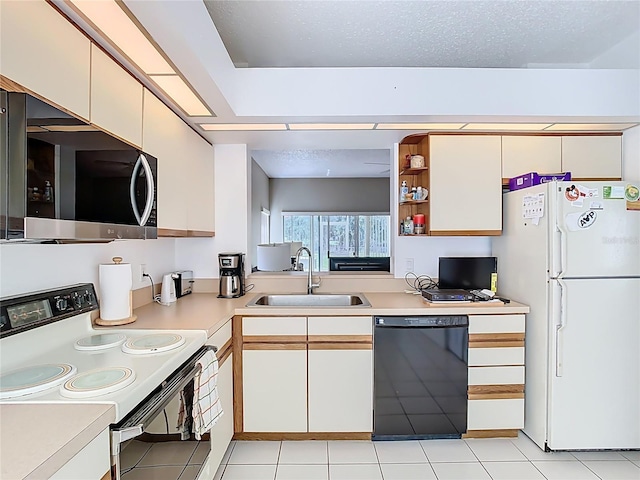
88	297
61	304
77	300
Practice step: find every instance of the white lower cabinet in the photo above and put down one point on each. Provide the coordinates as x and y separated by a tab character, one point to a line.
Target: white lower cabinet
495	414
340	390
90	463
274	390
222	432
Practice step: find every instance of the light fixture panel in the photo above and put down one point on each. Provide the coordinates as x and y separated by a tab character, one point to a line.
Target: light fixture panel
242	127
179	91
331	126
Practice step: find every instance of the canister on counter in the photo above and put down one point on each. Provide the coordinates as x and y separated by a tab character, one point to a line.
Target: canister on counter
419	223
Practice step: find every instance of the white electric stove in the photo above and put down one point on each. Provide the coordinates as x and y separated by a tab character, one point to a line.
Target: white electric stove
51	353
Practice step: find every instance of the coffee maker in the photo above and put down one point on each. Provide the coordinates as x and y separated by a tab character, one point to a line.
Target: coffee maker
231	275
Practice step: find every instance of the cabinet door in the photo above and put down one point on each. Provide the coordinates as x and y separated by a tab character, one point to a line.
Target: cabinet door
340	390
222	432
274	386
466	185
163	137
45	53
522	154
200	210
595	157
116	99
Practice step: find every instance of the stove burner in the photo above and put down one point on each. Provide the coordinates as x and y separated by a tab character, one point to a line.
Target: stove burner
101	341
156	343
37	378
98	382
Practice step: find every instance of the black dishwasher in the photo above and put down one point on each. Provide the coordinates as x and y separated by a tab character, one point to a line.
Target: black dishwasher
420	377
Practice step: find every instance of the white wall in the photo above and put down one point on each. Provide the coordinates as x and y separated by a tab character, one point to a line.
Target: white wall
27	268
259	200
233	197
631	154
345	195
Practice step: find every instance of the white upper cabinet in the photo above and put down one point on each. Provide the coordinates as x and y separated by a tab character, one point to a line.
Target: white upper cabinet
592	157
465	185
200	212
44	53
162	137
522	154
116	99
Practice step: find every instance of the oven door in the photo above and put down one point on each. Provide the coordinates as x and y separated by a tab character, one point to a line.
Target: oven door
139	419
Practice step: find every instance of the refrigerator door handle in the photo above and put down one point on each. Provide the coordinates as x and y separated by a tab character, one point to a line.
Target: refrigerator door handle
562	241
560	327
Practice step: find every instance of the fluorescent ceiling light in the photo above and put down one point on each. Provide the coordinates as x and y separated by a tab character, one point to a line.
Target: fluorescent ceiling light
419	126
180	92
506	126
116	25
70	128
230	127
598	127
331	126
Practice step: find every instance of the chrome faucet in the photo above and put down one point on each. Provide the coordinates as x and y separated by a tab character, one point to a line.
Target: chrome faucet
310	284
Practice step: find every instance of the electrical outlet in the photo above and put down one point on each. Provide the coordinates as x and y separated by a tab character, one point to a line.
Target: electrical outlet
143	272
408	264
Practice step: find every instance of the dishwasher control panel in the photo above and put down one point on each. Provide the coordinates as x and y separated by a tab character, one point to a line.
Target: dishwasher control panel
423	321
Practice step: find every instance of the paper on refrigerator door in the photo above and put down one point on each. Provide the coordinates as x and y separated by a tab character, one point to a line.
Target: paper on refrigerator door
533	207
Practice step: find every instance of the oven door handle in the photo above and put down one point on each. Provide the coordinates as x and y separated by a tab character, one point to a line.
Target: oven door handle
145	412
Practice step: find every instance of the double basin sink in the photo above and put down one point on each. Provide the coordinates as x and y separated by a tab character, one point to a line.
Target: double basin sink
312	300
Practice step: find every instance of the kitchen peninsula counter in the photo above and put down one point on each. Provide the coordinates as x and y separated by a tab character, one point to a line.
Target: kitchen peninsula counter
37	440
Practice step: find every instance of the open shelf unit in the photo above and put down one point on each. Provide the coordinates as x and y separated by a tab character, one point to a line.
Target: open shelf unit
415	177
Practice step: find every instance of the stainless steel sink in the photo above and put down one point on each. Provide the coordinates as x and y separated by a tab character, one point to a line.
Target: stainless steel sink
313	300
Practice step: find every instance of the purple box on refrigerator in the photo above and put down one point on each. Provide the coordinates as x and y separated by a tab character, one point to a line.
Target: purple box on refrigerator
533	178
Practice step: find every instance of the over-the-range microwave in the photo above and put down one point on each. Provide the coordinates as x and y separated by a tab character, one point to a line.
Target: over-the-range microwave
62	179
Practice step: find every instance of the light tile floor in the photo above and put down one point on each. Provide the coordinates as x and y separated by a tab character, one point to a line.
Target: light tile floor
497	459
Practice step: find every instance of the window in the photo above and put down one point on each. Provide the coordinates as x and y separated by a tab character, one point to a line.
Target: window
338	236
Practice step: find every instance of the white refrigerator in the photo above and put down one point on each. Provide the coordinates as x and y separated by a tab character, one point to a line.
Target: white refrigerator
572	252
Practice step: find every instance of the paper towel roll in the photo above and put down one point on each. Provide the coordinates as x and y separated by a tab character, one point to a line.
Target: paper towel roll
115	291
274	258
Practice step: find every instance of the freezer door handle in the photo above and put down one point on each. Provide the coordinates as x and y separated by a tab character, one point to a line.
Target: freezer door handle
560	326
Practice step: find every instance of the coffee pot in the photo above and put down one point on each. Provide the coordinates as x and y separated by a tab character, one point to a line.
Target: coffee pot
231	275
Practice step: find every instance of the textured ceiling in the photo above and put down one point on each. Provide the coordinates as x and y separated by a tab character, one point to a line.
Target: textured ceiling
425	33
323	163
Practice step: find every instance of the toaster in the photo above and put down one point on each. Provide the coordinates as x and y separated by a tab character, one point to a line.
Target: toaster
184	282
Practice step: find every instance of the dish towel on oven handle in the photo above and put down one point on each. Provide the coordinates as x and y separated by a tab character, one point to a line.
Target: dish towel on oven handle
207	408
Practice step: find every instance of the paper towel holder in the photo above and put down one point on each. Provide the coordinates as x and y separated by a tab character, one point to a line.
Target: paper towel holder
122	321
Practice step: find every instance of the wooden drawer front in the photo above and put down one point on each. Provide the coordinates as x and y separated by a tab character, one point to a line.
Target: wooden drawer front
496	323
496	375
340	326
275	326
495	414
479	357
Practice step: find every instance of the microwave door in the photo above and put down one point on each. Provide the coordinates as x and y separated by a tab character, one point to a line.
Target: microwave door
150	190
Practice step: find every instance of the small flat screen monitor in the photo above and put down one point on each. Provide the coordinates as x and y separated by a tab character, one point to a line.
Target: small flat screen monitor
468	273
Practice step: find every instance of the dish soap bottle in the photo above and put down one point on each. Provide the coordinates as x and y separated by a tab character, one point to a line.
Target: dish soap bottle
404	189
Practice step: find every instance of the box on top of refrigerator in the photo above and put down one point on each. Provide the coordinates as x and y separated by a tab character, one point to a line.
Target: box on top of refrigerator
533	178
